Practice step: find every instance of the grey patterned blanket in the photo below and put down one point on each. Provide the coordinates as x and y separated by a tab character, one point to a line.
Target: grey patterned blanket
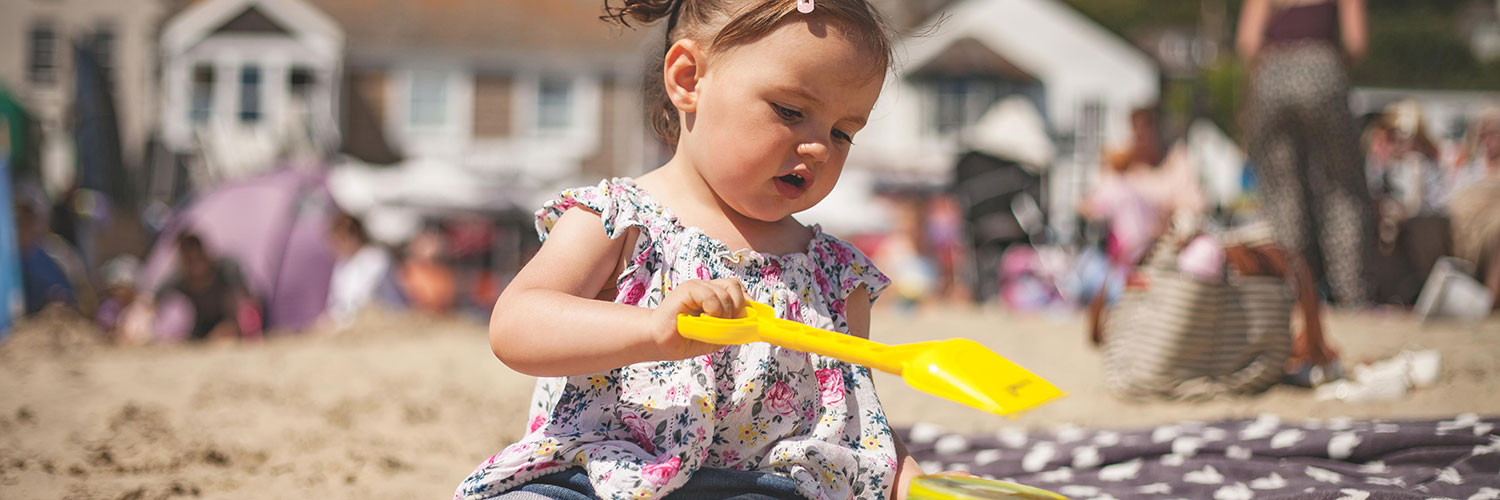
1265	458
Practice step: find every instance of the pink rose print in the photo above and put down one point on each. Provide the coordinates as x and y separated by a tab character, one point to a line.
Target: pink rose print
838	307
842	254
703	273
771	274
822	280
634	291
536	423
832	384
779	398
660	473
640	431
511	451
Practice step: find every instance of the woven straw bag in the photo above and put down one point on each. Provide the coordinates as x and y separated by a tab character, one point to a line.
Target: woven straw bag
1182	338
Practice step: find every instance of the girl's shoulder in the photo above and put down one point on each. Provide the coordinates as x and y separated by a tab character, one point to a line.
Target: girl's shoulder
844	262
619	204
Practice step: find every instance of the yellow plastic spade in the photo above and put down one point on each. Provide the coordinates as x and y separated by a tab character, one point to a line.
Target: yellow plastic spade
938	487
961	370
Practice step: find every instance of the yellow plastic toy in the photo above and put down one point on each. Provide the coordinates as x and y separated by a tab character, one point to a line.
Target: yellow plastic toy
936	487
961	370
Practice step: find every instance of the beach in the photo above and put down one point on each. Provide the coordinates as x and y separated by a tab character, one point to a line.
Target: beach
404	406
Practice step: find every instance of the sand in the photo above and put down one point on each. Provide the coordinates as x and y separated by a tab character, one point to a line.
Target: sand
405	406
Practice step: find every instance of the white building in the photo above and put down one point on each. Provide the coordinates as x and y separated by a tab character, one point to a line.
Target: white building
37	66
506	91
1082	79
239	74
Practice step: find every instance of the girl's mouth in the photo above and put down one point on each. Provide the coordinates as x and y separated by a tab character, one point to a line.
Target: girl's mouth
791	185
793	179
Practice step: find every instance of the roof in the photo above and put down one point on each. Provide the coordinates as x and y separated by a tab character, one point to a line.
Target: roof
479	26
199	20
968	57
1073	56
469	29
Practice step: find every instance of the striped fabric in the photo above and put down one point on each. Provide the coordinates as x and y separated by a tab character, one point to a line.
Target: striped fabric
1180	338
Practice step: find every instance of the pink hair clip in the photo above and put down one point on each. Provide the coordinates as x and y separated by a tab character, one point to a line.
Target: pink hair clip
805	6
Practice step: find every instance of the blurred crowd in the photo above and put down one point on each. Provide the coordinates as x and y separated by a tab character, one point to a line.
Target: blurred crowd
187	287
1431	198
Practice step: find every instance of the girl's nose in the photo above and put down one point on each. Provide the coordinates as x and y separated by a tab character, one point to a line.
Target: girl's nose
813	152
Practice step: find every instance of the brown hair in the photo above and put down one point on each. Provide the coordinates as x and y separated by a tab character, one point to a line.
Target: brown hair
348	224
727	23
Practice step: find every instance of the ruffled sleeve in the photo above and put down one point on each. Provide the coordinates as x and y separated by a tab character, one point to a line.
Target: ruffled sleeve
854	269
611	200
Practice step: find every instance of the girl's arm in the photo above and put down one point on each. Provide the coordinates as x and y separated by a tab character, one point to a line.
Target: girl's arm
1252	30
547	322
857	312
906	470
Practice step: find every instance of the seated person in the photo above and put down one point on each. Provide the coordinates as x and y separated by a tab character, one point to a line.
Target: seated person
360	268
215	288
120	275
42	277
1475	207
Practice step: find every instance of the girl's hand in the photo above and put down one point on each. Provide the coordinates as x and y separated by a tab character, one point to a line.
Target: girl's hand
721	298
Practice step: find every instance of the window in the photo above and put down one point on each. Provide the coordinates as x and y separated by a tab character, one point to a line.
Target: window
428	102
102	44
960	102
300	81
554	105
42	67
249	94
202	105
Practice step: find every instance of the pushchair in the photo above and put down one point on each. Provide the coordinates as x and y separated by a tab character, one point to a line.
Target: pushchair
990	191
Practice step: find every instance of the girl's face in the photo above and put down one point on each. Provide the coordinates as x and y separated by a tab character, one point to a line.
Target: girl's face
774	119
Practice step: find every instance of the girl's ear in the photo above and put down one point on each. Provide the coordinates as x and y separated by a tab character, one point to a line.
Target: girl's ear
682	72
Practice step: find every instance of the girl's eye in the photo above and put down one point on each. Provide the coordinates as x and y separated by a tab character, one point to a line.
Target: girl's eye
841	136
786	113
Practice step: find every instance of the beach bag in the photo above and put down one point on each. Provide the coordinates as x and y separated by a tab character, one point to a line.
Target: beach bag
1177	336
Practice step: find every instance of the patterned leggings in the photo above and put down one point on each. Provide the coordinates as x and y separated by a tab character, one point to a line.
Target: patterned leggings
1303	141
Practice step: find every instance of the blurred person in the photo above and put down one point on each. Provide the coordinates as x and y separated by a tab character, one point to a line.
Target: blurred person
1475	205
1378	143
1410	191
1301	135
1146	149
944	235
428	283
1410	182
1480	155
905	253
762	102
359	270
43	278
120	276
223	307
1140	189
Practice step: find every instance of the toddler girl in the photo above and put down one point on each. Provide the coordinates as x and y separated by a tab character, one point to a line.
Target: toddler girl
762	102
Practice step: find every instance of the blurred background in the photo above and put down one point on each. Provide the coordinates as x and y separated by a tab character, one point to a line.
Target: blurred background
258	240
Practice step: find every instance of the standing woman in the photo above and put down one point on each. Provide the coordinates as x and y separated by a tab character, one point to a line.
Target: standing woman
1302	136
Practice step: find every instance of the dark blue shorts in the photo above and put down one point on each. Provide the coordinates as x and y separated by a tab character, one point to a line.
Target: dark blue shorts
706	484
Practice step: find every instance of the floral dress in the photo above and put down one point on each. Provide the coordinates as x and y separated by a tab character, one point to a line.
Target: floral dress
642	430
